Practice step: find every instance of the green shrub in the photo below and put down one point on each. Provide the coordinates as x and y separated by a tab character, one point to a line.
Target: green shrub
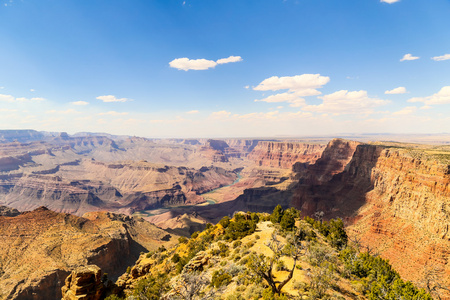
182	240
277	214
220	278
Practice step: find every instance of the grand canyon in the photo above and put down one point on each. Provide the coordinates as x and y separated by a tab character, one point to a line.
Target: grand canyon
73	201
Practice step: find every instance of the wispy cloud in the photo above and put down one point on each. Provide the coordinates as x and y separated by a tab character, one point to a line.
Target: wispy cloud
191	112
229	59
187	64
113	113
345	102
64	112
441	97
389	1
111	98
442	57
79	103
405	111
220	114
399	90
409	56
9	98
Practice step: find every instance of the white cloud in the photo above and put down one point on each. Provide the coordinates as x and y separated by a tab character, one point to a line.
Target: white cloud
441	97
345	102
292	98
2	87
282	97
409	56
113	113
229	59
111	98
7	110
399	90
390	1
187	64
220	114
405	111
32	90
9	98
293	83
63	112
247	87
298	86
79	103
442	57
192	112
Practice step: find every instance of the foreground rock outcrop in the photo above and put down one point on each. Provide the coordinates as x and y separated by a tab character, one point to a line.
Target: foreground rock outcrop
84	283
40	248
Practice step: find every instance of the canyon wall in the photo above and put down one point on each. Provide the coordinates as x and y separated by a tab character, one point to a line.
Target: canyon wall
394	202
284	154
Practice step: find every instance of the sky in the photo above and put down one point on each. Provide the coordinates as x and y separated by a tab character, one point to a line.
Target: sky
231	68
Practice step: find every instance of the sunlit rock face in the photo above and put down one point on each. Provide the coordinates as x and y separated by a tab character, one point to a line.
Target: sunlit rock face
40	248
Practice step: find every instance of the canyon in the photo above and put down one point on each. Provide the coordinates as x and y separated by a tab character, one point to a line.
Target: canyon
393	197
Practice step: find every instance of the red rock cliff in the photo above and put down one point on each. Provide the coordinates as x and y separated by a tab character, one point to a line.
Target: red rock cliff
284	154
395	202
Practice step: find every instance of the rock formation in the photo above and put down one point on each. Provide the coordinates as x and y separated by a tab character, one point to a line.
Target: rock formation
40	248
84	283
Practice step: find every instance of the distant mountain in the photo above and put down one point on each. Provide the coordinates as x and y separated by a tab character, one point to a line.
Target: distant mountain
19	135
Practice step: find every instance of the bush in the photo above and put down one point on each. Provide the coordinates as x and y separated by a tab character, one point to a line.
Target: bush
220	278
225	221
287	222
182	240
175	258
151	288
277	214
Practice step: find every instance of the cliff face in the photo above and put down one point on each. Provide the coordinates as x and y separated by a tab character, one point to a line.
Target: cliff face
396	203
40	248
284	154
406	216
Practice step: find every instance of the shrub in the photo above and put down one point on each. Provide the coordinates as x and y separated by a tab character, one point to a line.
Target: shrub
182	240
220	278
277	214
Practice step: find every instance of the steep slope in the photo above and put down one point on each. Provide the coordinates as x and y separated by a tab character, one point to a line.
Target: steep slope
41	247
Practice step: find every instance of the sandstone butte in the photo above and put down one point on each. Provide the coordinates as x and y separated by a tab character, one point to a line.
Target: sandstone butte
40	248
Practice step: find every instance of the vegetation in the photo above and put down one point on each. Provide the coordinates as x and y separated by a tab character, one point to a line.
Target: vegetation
286	258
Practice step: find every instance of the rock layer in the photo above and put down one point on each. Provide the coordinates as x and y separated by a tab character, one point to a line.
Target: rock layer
284	154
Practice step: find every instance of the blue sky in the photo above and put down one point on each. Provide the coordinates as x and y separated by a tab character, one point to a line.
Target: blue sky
194	68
